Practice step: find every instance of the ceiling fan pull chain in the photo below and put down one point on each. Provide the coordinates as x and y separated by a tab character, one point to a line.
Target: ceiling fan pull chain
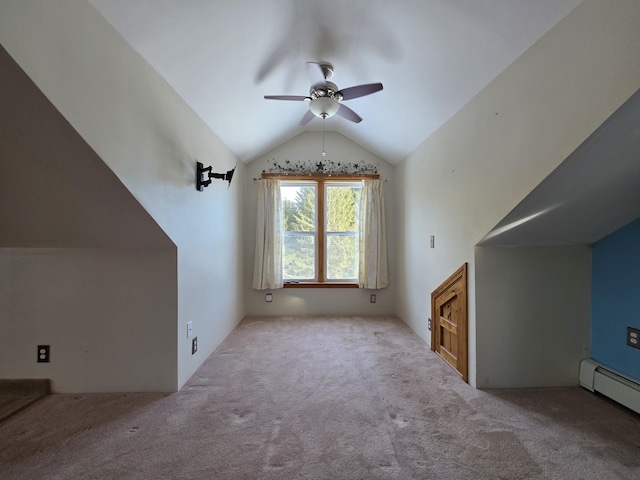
323	152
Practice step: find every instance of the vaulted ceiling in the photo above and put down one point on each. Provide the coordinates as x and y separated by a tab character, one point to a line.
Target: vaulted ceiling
432	57
593	193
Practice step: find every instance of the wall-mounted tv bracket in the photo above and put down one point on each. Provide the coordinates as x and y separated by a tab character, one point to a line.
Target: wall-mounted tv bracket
200	171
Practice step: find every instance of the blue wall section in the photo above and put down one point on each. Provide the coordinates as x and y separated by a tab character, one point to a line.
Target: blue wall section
615	298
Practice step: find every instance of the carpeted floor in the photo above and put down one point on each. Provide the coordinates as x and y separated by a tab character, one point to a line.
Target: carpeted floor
16	395
324	398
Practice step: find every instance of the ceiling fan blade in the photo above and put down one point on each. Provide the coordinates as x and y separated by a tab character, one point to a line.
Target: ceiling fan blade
307	118
346	112
298	98
316	75
360	90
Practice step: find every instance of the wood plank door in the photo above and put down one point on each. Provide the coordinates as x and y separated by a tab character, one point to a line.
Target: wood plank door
449	314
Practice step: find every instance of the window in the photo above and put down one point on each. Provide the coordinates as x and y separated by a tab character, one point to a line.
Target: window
320	230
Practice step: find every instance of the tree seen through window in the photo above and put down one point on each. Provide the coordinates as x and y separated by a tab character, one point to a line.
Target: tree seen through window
338	235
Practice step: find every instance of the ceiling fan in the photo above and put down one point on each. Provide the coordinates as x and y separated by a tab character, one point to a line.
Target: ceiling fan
324	97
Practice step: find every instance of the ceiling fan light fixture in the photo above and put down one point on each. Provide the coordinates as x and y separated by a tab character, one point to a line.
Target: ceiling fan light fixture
325	98
324	107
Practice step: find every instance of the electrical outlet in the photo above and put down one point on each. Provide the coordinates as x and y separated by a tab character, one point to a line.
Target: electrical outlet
372	298
633	337
189	329
268	297
43	353
432	241
194	345
429	324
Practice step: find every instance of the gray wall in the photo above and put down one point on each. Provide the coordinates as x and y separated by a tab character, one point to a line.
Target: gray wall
145	133
457	185
83	267
475	169
107	313
307	147
532	315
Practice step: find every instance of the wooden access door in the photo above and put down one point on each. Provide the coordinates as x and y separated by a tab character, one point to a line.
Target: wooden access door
449	314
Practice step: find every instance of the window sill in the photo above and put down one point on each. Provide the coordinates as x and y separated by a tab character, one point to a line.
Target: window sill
320	285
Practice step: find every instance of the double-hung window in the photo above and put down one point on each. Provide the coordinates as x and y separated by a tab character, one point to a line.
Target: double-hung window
320	231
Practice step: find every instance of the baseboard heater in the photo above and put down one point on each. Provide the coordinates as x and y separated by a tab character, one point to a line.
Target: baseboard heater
599	378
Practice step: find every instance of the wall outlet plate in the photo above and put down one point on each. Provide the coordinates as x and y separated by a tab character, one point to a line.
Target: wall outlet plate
194	345
43	353
373	298
189	329
429	324
633	337
268	297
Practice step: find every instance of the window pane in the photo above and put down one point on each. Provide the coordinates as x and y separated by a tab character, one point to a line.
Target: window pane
342	206
299	257
299	208
299	231
342	257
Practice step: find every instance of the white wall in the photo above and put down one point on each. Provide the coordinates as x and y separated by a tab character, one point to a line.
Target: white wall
533	310
318	301
470	173
151	139
93	275
98	310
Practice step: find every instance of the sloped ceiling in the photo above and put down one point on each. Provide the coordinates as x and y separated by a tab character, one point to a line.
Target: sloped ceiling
47	167
593	193
432	56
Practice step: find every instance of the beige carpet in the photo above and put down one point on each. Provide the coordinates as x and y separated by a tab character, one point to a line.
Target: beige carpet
324	398
16	395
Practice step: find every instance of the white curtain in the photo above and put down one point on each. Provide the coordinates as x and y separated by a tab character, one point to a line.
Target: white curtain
267	268
372	271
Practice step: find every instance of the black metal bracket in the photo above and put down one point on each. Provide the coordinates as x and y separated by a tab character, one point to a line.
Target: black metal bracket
201	169
200	183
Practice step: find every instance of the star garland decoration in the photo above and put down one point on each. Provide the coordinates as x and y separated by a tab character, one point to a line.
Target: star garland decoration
328	167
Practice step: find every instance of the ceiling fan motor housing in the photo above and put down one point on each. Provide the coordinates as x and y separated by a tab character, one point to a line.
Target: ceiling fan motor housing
330	90
324	101
327	70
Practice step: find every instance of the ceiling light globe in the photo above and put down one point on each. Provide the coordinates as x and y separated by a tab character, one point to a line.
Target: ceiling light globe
324	107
